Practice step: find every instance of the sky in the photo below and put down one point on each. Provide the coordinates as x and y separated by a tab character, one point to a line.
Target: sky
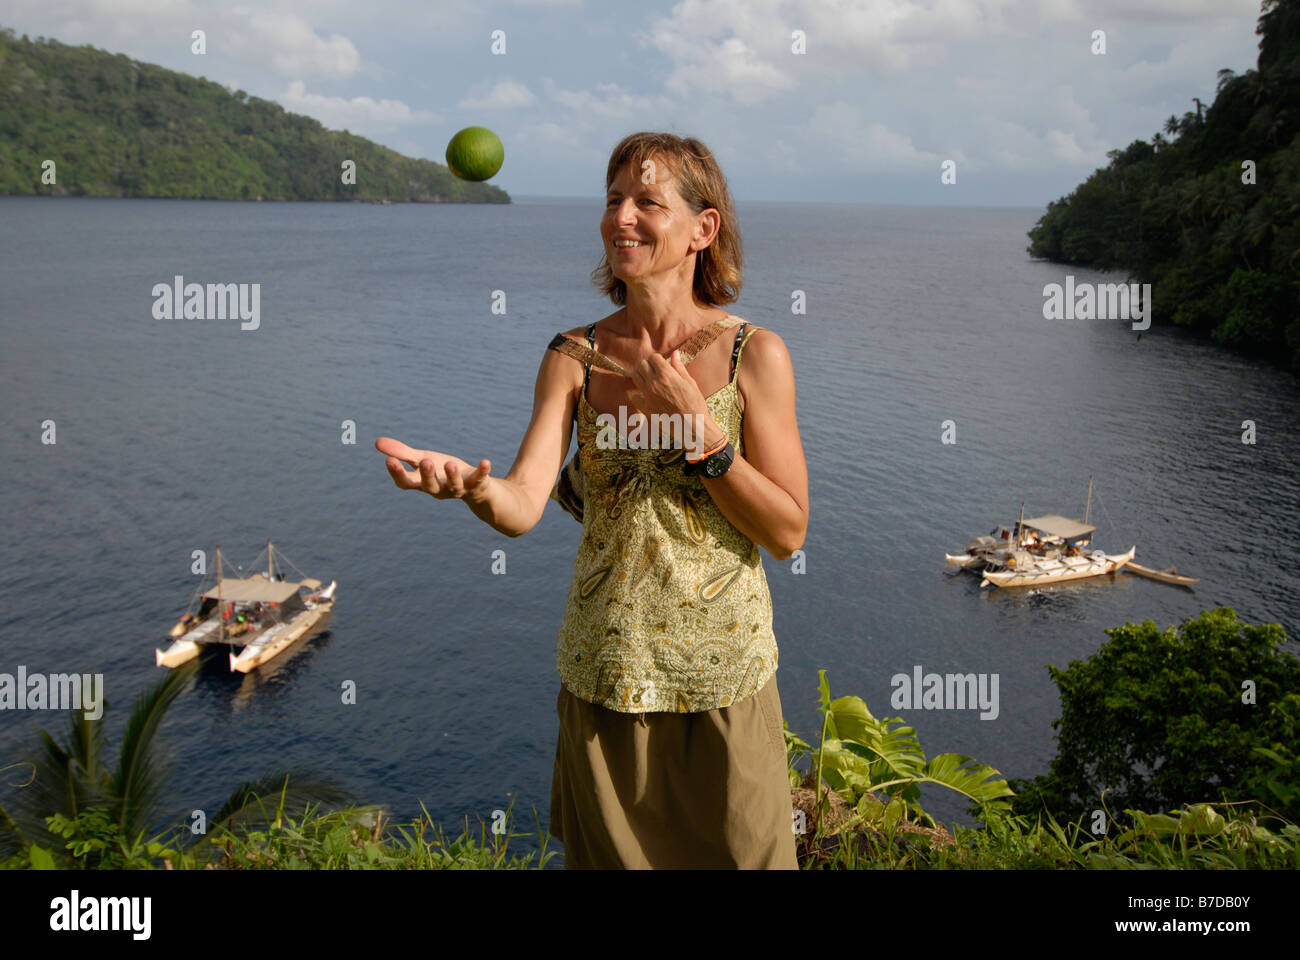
829	101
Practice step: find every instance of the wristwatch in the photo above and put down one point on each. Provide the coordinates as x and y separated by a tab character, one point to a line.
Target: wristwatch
712	466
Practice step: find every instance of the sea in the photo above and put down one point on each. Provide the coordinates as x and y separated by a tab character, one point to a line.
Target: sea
934	400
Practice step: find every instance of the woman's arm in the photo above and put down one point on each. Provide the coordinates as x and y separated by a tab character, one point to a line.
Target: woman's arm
512	504
765	493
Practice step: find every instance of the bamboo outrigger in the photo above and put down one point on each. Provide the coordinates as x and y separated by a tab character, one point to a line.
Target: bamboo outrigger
1171	575
267	613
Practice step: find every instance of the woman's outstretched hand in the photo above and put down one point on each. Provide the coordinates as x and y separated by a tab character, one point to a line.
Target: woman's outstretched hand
437	474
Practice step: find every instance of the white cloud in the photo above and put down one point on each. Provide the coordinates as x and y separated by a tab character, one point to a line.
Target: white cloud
1065	149
743	48
550	133
360	115
1148	11
1191	63
609	103
1008	145
722	47
838	136
129	9
289	44
286	43
729	66
504	95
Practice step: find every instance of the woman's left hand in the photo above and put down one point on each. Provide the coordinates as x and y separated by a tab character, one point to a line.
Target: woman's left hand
665	387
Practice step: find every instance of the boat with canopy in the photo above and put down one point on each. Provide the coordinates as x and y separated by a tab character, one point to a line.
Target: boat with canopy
1053	553
1039	550
1050	549
256	617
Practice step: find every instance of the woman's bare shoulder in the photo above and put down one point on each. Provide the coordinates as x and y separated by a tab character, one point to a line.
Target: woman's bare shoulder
765	368
765	348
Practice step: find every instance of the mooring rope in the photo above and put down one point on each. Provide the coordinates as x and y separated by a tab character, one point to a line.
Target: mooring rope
1107	512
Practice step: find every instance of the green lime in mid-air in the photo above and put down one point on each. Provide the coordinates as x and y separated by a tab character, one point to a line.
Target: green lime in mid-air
475	154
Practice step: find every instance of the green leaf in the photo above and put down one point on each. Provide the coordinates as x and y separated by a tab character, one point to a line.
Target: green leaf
961	773
1201	819
40	858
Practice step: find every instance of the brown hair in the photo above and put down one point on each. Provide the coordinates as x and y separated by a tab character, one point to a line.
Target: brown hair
701	184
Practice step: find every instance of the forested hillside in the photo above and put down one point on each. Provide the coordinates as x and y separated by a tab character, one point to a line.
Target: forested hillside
116	127
1208	212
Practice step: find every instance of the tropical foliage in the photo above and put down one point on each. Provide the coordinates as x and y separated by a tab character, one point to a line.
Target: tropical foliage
1220	245
1155	719
80	808
116	127
860	756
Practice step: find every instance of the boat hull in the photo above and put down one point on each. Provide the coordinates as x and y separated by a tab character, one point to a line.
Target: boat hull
1060	571
185	648
181	651
275	640
978	560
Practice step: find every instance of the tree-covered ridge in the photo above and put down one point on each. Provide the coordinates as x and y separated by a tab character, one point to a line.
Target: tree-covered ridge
1222	253
116	127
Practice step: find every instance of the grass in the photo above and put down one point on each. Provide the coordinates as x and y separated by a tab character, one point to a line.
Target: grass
845	838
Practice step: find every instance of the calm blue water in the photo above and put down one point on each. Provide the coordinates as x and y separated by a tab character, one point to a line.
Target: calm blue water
174	436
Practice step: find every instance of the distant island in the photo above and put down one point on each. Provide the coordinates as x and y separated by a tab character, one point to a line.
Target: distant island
1209	212
116	127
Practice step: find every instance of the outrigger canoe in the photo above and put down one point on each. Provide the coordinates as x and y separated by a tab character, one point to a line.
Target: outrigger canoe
1170	575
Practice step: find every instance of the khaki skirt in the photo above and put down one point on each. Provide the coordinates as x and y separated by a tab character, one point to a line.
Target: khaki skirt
673	790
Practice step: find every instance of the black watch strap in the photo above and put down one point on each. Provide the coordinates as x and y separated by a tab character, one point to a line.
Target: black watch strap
712	466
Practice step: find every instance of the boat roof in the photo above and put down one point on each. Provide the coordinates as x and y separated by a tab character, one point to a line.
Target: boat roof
1057	526
259	590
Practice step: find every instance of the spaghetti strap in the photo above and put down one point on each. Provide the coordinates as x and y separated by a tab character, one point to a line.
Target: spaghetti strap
584	354
588	355
591	344
735	351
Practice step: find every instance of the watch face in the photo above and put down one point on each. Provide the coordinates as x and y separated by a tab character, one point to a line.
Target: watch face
715	468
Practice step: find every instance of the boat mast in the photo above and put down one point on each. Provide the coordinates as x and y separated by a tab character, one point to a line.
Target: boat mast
270	569
221	608
1020	525
1088	505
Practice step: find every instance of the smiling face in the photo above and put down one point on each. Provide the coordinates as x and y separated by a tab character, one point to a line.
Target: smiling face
650	233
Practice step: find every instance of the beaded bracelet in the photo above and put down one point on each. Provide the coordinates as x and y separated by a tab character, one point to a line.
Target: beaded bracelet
710	452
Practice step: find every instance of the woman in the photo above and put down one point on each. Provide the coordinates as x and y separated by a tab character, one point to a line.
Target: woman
670	750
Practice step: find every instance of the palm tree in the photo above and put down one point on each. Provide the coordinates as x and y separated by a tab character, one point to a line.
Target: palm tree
1225	198
1192	195
1263	221
1258	87
71	777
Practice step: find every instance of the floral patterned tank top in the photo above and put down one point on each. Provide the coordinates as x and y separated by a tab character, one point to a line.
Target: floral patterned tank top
669	608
